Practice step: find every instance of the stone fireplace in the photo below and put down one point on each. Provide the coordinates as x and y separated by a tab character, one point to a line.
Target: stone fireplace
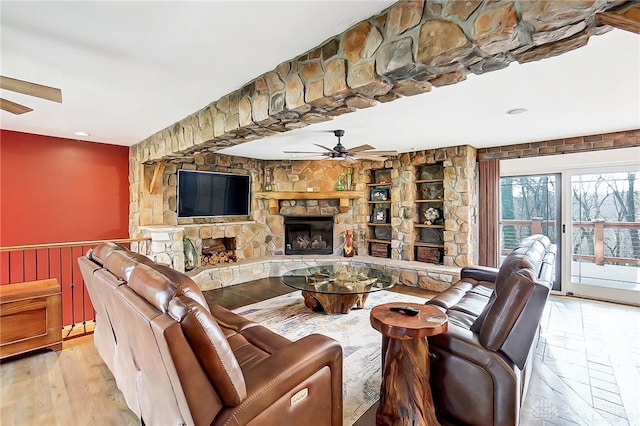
308	234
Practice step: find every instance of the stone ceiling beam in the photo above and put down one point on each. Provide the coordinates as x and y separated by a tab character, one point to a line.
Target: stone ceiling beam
404	51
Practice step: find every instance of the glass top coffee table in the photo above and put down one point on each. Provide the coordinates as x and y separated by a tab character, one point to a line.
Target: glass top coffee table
337	288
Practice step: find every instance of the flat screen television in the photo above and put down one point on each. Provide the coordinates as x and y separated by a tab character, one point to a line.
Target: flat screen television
206	194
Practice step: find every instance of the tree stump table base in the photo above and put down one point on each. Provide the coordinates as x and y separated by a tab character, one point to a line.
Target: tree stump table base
334	303
405	393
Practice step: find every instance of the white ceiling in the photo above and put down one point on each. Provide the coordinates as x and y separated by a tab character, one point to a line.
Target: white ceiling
130	69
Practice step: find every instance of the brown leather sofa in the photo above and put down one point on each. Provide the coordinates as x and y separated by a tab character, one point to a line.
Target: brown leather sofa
480	367
178	361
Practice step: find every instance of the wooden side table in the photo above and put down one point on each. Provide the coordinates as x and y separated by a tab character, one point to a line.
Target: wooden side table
405	393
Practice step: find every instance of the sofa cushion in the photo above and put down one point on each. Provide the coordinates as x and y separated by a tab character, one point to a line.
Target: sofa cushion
122	262
211	348
529	254
506	308
154	287
100	252
185	285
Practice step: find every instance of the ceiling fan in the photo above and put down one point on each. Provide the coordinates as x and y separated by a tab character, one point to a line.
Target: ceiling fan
27	88
339	152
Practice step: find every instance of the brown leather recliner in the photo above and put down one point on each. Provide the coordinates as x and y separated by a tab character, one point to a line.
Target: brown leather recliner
480	367
178	361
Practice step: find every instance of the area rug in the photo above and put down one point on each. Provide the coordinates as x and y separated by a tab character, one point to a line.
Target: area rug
288	316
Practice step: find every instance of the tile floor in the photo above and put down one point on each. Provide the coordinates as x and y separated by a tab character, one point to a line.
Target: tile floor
590	369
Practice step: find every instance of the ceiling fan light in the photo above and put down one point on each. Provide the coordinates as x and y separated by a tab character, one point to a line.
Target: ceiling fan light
81	133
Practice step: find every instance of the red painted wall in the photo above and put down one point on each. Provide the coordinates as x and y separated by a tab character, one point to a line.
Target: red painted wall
56	190
60	190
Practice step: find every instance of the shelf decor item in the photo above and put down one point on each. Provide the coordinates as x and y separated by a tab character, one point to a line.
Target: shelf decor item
431	215
379	250
380	215
348	244
340	184
428	254
382	232
379	194
268	180
349	178
383	176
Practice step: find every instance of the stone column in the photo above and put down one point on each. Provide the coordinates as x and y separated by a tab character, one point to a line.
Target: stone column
166	245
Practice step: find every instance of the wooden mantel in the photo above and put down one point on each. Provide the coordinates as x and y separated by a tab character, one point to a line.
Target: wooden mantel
276	196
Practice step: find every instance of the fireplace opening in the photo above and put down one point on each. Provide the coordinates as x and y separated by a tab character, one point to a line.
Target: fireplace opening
308	234
218	250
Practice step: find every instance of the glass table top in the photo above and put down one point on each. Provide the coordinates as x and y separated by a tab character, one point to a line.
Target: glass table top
339	279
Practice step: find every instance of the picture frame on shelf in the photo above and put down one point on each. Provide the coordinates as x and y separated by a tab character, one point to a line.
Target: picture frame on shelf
380	215
383	176
379	194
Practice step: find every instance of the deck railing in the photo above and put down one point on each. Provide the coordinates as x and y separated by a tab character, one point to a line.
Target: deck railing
602	241
59	260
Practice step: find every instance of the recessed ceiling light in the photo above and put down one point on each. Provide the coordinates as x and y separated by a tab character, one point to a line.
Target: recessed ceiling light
81	133
515	111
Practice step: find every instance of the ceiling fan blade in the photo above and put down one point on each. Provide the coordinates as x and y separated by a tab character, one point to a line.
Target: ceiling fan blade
31	89
324	147
308	157
371	157
304	152
381	152
350	159
13	107
360	148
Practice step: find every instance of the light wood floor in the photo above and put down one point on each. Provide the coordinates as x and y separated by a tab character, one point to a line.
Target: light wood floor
587	371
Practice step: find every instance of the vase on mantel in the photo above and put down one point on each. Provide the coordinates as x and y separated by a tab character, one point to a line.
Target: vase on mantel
268	180
349	178
340	183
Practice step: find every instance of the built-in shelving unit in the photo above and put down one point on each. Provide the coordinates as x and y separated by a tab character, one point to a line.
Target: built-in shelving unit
429	223
379	223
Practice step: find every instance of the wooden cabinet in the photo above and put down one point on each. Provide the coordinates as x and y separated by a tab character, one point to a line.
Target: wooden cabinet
30	317
380	231
429	223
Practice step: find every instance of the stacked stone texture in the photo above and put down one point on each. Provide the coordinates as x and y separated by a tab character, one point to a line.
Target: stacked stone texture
406	50
261	234
563	146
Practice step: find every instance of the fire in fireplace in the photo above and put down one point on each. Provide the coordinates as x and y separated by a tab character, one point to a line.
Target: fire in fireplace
308	234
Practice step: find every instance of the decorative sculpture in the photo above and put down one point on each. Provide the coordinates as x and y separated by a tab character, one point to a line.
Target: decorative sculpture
431	215
348	244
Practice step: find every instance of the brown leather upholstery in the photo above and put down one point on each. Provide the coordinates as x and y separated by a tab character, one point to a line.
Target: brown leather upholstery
481	365
179	361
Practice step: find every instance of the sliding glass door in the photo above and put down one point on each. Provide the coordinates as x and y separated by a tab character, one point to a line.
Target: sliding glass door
530	205
605	234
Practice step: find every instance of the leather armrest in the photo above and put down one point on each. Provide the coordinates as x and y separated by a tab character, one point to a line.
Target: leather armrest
227	319
281	372
479	273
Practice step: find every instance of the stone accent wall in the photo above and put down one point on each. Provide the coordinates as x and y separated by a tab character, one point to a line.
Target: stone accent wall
563	146
262	234
301	175
460	206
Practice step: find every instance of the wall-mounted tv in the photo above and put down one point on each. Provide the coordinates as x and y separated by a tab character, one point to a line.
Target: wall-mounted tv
206	194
